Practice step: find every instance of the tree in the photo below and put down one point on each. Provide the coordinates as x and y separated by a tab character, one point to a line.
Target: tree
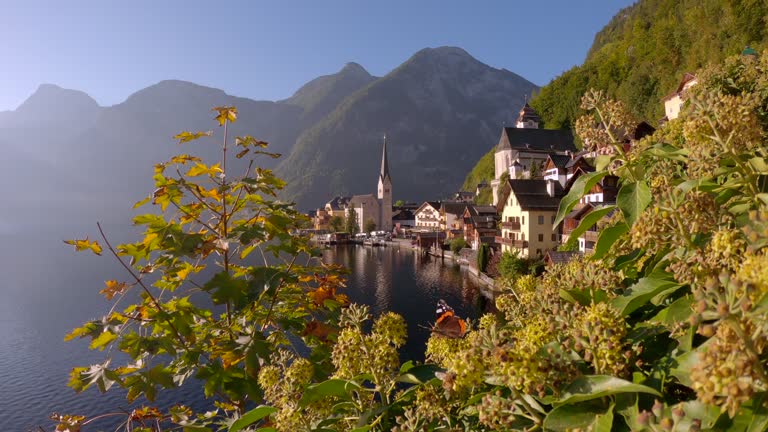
511	265
483	254
336	223
399	203
370	225
458	244
206	217
350	223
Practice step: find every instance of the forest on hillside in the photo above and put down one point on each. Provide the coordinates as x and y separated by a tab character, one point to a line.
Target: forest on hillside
641	55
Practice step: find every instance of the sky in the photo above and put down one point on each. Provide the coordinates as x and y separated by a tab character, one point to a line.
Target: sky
268	49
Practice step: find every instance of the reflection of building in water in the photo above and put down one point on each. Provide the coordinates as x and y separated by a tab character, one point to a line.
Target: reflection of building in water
382	262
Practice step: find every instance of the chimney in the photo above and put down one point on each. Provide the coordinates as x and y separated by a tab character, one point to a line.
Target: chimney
551	187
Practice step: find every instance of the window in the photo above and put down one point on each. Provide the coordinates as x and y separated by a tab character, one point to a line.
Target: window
553	219
541	219
523	219
541	237
554	237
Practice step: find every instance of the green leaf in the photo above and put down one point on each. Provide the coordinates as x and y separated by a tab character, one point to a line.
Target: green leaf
101	342
686	362
581	186
632	199
607	238
333	387
677	312
578	416
590	219
645	289
251	417
759	165
419	374
590	387
602	161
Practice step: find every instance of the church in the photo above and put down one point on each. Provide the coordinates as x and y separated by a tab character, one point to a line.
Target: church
376	207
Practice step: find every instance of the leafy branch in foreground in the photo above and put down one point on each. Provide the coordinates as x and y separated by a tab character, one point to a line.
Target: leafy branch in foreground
211	230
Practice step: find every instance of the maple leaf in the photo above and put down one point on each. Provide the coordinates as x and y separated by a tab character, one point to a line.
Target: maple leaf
113	288
191	136
226	113
85	244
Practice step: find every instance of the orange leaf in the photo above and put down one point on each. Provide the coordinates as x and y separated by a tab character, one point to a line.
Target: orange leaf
113	288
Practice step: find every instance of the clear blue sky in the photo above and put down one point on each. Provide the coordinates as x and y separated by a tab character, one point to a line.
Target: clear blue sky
267	49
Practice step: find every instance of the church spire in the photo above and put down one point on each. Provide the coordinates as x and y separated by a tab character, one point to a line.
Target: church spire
384	161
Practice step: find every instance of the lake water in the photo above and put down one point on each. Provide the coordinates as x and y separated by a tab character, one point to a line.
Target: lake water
47	290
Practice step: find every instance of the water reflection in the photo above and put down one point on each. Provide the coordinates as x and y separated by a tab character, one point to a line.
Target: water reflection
405	282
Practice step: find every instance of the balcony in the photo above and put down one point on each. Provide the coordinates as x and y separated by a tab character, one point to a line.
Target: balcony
512	226
520	244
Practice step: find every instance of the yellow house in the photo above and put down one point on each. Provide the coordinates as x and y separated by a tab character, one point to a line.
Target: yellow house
527	216
674	101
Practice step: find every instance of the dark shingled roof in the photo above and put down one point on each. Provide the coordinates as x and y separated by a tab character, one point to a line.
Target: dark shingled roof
557	257
560	161
528	113
532	194
453	207
339	203
485	209
536	139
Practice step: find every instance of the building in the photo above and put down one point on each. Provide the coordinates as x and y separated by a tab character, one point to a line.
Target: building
528	210
378	207
427	216
526	147
464	196
451	217
674	101
402	219
480	226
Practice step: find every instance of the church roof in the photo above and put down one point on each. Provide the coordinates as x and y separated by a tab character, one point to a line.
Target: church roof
536	139
528	113
384	161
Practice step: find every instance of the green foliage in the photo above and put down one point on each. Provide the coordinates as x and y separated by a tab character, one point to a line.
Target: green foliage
370	225
207	218
350	222
483	255
642	54
482	172
399	203
511	265
665	330
336	223
458	244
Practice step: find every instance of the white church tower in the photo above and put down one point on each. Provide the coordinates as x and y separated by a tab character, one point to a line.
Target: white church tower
385	192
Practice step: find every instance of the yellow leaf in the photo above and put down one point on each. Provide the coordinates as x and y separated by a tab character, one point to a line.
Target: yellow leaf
197	170
184	158
188	268
190	136
113	288
85	244
226	113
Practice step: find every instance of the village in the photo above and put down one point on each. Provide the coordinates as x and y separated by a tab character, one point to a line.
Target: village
534	168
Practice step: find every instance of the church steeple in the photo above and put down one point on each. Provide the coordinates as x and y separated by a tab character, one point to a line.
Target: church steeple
385	192
384	161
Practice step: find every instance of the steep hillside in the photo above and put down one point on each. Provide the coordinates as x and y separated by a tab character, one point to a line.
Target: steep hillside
642	53
439	110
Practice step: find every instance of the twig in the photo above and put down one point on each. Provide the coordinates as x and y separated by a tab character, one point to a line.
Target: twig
141	283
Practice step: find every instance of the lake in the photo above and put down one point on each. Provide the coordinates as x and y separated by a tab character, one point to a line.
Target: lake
47	289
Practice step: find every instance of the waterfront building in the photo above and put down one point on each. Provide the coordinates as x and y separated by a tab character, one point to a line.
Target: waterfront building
427	216
674	101
481	226
528	209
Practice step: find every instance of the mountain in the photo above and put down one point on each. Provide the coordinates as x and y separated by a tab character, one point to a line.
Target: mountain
643	52
74	160
61	142
440	110
641	55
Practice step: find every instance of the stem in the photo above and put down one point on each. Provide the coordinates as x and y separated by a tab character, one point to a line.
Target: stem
274	296
224	219
141	283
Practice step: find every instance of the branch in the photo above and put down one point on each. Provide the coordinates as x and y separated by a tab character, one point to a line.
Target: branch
141	283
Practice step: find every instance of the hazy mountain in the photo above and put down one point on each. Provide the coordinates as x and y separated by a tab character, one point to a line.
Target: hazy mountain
74	160
440	110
